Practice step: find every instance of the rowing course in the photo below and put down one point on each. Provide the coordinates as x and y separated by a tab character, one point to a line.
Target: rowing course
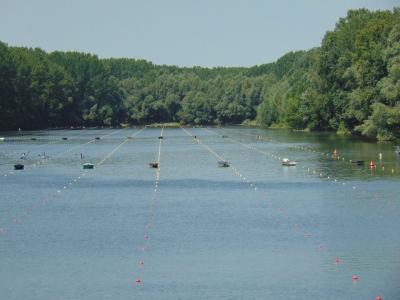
50	143
301	144
213	237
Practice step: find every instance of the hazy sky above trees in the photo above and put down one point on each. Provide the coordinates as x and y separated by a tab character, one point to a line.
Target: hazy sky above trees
176	32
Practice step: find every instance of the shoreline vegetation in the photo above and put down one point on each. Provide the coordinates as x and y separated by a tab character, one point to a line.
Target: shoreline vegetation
349	85
247	123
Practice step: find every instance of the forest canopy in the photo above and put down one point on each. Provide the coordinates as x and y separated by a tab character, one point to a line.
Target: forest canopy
350	84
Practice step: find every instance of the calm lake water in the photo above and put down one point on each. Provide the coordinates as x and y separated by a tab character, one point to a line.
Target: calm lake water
324	229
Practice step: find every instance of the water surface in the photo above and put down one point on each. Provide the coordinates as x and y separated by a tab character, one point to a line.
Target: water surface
254	231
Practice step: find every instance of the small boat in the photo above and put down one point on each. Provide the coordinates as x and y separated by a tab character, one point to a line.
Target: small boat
88	166
130	137
160	137
224	136
288	163
97	138
223	164
2	139
19	167
65	138
153	164
33	139
357	162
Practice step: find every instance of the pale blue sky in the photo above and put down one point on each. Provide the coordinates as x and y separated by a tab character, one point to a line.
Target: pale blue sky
176	32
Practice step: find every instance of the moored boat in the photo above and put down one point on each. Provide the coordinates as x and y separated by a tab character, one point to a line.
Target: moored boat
223	164
357	162
19	167
153	164
287	162
88	166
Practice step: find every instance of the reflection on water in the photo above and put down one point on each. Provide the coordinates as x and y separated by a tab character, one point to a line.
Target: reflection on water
257	230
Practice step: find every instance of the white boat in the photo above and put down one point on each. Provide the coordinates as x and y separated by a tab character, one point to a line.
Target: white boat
288	162
2	139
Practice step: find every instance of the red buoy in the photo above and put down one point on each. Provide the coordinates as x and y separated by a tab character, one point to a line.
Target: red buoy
146	237
372	164
138	280
337	261
355	277
378	298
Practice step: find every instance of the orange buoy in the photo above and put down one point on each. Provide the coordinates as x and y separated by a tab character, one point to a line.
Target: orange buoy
335	152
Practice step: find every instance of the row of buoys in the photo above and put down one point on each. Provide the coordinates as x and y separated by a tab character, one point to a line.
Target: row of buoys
20	166
337	261
335	153
354	278
372	164
59	191
149	225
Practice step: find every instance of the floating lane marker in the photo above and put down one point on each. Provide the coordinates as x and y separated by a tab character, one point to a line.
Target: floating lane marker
42	202
355	278
272	155
153	204
307	234
46	159
333	155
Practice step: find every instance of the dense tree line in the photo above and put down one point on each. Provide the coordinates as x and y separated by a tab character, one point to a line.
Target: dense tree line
351	84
